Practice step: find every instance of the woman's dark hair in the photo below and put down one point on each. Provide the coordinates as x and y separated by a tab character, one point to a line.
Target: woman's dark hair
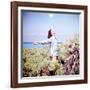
49	34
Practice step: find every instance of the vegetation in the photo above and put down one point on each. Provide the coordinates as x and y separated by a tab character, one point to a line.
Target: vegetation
36	61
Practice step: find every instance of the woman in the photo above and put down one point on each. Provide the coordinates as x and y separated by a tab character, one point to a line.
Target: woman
52	41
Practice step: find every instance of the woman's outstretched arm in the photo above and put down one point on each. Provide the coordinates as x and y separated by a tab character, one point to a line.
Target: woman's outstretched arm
43	42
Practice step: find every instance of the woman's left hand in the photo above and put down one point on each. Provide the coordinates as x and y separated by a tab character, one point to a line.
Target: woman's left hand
34	42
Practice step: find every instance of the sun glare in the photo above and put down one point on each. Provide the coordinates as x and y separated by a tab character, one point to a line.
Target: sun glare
51	15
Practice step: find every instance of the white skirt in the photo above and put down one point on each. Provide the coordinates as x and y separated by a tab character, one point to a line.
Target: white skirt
53	52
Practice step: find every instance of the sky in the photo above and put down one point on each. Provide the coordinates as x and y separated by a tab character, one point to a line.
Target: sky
36	25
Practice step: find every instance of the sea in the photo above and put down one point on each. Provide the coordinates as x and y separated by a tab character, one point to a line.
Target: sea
31	45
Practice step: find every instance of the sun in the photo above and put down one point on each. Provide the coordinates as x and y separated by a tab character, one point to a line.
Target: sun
51	15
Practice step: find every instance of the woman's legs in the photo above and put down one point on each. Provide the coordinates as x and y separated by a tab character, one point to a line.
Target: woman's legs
54	58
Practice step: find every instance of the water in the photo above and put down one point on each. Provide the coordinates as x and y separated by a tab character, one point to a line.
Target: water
31	45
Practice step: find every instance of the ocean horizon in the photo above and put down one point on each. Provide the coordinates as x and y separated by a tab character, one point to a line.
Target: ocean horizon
31	45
